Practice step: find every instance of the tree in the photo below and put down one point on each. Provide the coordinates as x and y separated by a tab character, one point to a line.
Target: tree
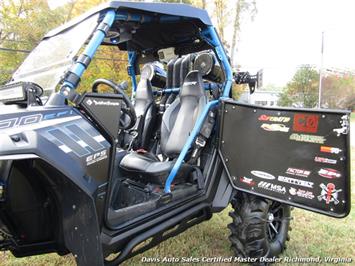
221	11
302	91
22	25
243	7
338	91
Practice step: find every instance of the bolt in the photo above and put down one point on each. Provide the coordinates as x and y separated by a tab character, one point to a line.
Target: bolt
74	207
16	138
254	110
343	201
222	141
323	116
66	92
289	198
278	113
76	228
331	209
233	107
227	160
226	111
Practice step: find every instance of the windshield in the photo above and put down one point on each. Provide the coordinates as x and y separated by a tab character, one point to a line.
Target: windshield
47	63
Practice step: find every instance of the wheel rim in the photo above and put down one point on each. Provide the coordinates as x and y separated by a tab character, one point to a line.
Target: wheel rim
274	220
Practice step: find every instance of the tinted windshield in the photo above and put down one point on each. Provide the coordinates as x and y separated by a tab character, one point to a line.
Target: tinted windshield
47	63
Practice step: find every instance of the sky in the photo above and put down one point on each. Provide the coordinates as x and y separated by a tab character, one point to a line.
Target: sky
288	33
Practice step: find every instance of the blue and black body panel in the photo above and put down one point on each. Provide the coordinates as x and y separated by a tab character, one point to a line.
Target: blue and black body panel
54	169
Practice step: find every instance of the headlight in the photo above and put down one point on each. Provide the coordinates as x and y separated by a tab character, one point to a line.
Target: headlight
12	93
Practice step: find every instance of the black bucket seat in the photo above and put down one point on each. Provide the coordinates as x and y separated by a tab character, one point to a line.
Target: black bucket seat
177	123
146	110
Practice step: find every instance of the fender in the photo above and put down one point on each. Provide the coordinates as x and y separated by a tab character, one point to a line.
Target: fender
77	158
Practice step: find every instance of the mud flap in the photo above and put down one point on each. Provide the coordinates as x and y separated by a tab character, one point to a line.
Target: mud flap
300	157
81	226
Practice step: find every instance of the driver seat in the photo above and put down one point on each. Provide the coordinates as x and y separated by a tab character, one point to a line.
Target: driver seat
177	123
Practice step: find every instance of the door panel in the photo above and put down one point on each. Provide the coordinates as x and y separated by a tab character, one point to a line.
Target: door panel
297	156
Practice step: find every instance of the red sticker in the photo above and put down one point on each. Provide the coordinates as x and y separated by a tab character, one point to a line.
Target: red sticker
305	123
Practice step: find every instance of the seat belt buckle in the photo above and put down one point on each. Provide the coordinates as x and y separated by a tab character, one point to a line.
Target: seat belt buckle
200	142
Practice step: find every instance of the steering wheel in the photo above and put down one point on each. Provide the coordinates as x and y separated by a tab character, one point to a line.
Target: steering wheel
128	109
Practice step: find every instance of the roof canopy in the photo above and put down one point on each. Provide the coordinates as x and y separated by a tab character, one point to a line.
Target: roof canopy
148	27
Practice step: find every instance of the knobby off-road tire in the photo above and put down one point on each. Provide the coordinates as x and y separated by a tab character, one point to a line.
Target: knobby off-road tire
260	227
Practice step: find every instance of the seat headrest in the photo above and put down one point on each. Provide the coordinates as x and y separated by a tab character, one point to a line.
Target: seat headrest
193	85
144	90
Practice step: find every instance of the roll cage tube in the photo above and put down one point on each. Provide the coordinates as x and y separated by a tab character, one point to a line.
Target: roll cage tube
73	76
210	35
132	56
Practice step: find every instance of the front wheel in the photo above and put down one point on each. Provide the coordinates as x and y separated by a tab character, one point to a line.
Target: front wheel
259	228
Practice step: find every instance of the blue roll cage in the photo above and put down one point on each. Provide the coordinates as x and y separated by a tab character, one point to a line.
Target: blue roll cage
209	34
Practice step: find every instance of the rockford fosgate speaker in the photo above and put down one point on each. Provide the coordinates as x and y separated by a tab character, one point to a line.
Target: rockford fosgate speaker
208	66
155	74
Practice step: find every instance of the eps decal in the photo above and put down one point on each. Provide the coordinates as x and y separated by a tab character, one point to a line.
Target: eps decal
329	193
262	175
305	123
94	158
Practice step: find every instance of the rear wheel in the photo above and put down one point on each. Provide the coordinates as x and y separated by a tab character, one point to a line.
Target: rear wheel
259	228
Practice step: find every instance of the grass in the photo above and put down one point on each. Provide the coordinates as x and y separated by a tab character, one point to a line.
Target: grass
313	235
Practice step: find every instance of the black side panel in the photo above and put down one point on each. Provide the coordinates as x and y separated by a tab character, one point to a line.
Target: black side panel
104	110
299	157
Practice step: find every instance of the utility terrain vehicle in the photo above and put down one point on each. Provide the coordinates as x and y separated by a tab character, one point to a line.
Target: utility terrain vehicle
98	174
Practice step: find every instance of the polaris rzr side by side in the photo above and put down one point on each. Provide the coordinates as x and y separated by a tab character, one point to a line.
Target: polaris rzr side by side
97	174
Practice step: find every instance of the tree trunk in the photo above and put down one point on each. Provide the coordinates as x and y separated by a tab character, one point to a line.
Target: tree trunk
236	28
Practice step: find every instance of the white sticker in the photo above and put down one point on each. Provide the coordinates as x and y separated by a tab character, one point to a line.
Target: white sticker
262	175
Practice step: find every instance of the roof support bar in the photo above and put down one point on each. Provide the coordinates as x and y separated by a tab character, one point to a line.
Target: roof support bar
76	72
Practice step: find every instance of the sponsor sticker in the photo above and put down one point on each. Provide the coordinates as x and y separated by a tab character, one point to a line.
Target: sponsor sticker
298	172
248	181
329	173
329	193
305	123
283	119
301	193
330	149
295	181
262	175
307	138
275	127
272	187
324	160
